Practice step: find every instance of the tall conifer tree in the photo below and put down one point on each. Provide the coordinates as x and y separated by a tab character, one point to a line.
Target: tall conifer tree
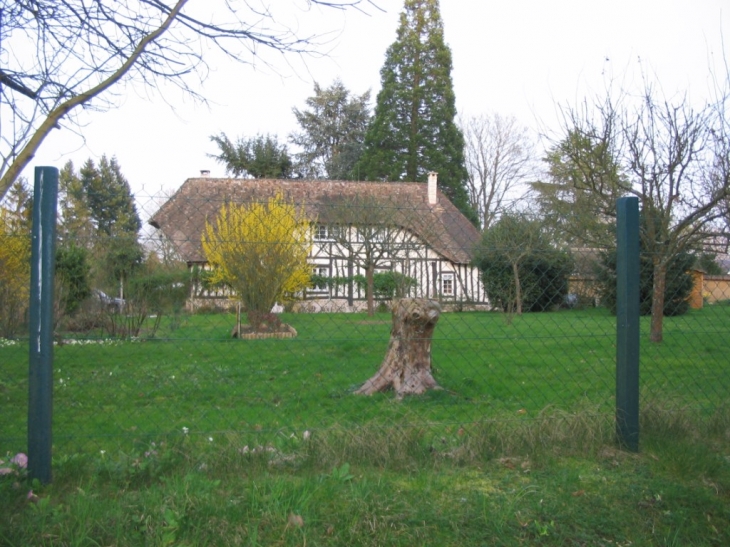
414	130
114	215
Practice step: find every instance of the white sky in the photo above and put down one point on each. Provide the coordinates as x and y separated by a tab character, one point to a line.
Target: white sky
514	57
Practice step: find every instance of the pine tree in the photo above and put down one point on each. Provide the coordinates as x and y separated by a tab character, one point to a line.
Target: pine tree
413	131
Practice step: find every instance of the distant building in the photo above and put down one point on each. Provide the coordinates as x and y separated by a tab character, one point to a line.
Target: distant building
418	231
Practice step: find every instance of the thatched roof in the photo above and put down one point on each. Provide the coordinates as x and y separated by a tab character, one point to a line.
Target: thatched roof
442	226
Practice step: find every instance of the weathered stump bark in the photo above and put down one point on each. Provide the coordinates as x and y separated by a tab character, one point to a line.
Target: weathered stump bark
406	367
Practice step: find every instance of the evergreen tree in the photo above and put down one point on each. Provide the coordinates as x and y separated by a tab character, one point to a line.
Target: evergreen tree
414	129
678	278
260	157
678	282
73	275
707	262
74	216
109	199
333	132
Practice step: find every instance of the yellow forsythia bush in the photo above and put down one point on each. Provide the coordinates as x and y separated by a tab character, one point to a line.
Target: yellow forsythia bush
260	250
14	273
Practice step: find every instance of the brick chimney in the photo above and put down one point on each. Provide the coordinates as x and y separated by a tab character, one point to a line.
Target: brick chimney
432	187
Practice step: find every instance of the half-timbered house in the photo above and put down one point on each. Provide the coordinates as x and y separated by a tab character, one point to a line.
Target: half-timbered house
409	228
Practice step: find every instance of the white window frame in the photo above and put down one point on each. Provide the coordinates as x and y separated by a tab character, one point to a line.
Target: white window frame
321	232
448	284
324	271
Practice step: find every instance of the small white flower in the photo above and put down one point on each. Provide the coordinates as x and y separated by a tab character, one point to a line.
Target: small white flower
306	435
172	377
102	452
185	430
210	439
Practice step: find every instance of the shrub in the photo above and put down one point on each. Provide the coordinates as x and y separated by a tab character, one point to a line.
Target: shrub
14	274
678	282
543	278
386	285
259	250
521	268
72	271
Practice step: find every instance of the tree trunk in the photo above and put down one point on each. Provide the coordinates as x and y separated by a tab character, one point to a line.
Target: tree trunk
518	287
657	301
406	367
370	288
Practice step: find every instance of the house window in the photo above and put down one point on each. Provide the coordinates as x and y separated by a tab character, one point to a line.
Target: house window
447	284
321	233
320	275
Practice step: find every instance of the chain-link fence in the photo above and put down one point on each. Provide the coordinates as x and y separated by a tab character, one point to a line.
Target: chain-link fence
265	320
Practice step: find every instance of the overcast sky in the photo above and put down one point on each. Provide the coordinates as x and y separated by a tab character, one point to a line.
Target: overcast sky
514	57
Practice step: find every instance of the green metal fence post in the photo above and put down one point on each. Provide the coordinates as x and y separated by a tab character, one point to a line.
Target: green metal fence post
627	323
40	380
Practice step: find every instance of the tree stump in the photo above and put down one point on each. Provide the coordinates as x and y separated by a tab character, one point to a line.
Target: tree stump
406	367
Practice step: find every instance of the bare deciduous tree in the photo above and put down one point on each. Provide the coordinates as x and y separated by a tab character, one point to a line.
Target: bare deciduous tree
370	233
62	55
672	156
500	159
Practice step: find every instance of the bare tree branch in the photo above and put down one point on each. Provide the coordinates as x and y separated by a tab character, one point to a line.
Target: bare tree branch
60	55
500	159
673	157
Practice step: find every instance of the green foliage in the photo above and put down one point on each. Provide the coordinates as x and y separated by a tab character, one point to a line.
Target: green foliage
109	198
666	152
677	289
543	275
707	262
73	270
386	285
578	200
163	291
123	256
413	130
259	157
15	230
97	211
75	224
151	294
332	132
260	250
521	269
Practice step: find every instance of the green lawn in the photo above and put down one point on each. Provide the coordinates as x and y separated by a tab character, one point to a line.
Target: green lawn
555	482
517	449
108	394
